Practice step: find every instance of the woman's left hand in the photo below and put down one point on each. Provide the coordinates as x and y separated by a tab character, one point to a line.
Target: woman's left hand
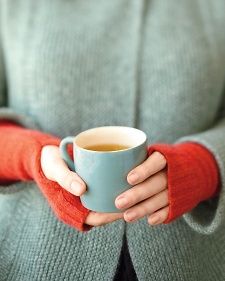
149	192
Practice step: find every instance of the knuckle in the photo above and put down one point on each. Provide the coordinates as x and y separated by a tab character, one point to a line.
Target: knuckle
152	207
157	154
163	178
46	148
44	155
143	172
166	196
160	218
166	212
139	193
99	220
154	166
163	215
43	150
142	210
132	196
145	209
79	179
66	179
162	159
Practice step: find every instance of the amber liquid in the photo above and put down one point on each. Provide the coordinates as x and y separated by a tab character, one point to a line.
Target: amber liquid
107	147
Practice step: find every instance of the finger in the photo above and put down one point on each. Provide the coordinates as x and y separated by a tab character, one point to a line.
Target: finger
142	191
59	172
147	207
98	219
69	180
154	163
159	216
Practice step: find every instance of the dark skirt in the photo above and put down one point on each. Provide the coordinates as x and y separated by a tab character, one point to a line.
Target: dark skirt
125	270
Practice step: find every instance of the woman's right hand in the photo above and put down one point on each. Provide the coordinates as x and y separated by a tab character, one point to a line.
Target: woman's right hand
55	169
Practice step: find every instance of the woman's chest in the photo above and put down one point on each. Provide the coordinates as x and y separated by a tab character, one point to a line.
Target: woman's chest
76	65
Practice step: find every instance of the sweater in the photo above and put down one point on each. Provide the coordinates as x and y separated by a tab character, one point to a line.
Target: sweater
125	270
25	146
182	168
162	74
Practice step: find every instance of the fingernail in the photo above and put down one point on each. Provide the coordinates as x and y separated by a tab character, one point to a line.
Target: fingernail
133	177
76	187
154	220
121	202
131	215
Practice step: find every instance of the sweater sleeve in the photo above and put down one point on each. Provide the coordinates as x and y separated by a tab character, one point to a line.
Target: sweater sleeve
5	111
67	207
209	216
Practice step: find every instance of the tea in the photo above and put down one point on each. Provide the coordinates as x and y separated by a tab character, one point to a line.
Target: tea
111	152
107	147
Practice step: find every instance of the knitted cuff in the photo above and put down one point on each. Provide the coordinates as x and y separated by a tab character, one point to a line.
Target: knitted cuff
66	206
193	176
26	145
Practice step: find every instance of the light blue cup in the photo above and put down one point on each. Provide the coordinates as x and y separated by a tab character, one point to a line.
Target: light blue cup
105	172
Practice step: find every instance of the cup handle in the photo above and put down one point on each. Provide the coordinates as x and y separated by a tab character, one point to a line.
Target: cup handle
64	154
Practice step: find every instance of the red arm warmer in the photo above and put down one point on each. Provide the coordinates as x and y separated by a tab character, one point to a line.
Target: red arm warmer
193	175
20	151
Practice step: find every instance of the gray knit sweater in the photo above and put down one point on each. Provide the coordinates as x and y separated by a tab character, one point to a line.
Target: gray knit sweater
66	66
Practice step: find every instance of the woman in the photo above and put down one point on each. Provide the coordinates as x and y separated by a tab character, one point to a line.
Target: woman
66	66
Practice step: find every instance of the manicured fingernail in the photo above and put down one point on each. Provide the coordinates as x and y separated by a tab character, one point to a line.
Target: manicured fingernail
76	187
121	202
131	215
154	220
133	177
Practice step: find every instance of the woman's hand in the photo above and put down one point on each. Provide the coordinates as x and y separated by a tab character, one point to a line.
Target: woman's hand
55	169
149	195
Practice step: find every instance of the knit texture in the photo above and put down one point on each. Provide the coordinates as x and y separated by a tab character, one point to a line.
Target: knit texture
193	176
189	165
67	66
125	270
25	145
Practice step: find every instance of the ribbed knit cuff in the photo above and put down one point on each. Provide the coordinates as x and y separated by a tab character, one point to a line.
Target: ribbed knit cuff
26	145
67	207
193	176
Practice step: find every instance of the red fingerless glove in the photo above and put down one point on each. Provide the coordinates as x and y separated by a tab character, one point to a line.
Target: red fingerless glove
193	176
20	151
192	173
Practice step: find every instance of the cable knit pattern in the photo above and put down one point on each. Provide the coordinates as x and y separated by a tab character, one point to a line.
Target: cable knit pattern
68	66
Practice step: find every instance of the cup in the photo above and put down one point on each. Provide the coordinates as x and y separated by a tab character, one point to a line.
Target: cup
103	157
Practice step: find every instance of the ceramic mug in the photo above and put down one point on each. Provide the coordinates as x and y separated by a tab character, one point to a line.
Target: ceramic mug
105	172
